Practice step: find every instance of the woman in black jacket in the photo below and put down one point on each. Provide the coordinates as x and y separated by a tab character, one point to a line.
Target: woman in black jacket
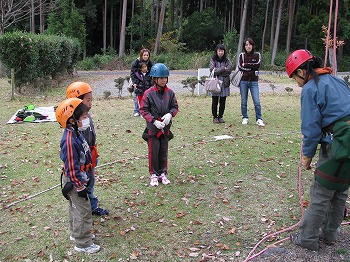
145	57
222	67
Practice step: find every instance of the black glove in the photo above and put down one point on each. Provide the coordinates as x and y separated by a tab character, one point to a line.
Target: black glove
84	194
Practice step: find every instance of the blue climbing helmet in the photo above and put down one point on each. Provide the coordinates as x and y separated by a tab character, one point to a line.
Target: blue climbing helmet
159	70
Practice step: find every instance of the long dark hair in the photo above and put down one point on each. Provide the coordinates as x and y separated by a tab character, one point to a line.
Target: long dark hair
250	42
215	55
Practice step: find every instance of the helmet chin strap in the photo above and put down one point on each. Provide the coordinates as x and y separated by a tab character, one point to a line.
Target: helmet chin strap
300	76
156	81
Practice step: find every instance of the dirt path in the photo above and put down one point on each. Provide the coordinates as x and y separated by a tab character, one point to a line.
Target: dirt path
102	81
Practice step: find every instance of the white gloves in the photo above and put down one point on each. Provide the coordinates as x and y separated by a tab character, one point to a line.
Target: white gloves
166	118
159	124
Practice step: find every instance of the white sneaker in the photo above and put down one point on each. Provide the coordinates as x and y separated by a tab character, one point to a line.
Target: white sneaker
90	249
245	121
259	122
164	179
136	114
154	180
73	239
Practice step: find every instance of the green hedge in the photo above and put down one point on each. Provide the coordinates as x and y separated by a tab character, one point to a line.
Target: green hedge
38	56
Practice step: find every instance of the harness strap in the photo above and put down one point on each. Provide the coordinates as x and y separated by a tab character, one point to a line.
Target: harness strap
332	178
86	167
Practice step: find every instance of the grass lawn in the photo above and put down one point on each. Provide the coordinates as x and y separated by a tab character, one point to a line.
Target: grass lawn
224	195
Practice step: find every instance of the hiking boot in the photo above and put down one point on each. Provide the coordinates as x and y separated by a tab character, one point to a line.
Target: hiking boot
90	249
295	238
245	121
164	179
325	241
221	120
259	122
73	239
100	212
216	120
154	180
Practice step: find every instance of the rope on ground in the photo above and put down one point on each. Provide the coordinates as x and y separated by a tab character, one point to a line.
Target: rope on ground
142	156
300	193
301	197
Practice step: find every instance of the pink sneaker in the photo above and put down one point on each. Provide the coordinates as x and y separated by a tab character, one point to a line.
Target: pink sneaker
154	180
163	179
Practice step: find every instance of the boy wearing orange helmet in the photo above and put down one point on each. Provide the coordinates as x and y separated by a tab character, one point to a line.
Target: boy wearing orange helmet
324	106
75	153
83	91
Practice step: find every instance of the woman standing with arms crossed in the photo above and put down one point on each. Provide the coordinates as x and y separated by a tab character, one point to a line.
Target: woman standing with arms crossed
222	67
145	57
249	63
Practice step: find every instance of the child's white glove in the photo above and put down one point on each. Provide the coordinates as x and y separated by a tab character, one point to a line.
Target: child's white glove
158	124
166	118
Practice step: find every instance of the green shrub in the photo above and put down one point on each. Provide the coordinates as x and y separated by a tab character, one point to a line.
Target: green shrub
37	56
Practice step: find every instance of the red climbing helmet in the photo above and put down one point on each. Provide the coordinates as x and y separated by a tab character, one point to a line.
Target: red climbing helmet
296	59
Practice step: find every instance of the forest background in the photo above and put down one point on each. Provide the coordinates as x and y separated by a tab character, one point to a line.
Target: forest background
182	33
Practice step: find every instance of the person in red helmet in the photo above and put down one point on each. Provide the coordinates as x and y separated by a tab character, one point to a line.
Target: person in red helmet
325	120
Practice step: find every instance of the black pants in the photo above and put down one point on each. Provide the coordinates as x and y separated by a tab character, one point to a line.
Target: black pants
214	106
158	155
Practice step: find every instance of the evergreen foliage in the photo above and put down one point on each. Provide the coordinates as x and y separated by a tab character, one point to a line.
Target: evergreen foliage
38	56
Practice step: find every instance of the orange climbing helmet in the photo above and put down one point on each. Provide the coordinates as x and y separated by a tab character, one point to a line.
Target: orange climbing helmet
77	89
296	59
66	109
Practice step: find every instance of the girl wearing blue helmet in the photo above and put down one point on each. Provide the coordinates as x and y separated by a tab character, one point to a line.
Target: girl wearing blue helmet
158	106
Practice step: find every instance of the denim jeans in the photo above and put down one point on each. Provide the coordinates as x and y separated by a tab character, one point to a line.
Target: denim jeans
92	197
244	86
136	105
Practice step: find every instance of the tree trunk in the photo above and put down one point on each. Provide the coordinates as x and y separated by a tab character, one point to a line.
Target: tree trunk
41	17
291	9
181	15
242	29
104	28
172	16
122	31
272	36
265	25
32	17
160	27
232	15
111	28
132	15
278	25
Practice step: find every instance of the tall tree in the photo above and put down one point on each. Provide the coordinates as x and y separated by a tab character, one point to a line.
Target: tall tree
277	33
160	27
12	12
265	25
242	29
32	17
122	30
291	10
104	27
272	34
41	17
